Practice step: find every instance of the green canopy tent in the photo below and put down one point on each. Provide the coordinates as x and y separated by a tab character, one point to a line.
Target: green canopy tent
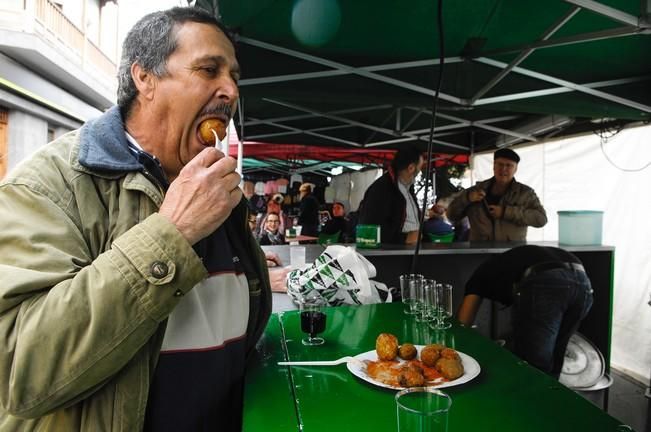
362	73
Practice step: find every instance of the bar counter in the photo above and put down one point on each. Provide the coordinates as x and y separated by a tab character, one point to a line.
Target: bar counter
508	395
455	262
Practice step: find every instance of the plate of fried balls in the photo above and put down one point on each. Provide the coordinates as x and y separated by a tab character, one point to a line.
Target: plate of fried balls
399	366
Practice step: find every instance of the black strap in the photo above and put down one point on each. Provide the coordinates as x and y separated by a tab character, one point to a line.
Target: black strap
153	167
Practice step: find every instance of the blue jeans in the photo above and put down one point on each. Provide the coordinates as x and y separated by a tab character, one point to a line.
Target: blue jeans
549	307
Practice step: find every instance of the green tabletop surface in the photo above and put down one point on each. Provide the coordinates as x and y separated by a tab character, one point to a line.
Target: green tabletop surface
269	402
507	395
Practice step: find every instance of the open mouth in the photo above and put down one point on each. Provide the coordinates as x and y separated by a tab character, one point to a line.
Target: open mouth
212	130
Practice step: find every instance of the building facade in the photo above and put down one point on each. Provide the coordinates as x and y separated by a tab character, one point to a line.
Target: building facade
57	70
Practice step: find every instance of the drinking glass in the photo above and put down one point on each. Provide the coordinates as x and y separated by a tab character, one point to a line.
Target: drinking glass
313	322
428	301
422	409
409	288
296	257
444	306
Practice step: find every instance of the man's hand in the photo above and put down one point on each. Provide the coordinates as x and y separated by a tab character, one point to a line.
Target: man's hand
203	195
496	211
436	210
476	195
278	279
273	259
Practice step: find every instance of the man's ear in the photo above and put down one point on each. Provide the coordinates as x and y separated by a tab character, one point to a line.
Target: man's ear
144	80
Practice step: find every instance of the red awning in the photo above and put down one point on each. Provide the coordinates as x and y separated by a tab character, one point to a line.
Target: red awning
289	152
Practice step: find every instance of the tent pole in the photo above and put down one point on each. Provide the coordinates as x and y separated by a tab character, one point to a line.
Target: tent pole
645	21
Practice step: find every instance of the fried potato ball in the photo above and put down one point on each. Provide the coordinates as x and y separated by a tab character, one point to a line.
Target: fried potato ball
437	346
449	353
411	378
207	126
407	351
386	346
430	354
450	368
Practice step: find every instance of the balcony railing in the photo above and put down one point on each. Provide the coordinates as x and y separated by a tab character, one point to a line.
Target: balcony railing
56	22
64	31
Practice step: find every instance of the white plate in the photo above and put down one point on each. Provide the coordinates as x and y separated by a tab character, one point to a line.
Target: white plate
358	368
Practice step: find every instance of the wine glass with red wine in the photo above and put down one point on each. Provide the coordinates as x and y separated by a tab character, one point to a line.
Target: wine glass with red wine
313	322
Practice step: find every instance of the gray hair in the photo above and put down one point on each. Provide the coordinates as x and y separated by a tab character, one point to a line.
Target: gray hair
150	42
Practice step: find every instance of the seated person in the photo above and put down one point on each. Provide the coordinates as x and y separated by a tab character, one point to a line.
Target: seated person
271	234
274	205
550	292
437	223
338	223
253	223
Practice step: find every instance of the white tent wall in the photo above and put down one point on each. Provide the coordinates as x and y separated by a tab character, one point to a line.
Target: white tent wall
576	174
350	187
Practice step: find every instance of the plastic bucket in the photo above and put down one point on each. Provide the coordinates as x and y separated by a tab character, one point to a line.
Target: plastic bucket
580	227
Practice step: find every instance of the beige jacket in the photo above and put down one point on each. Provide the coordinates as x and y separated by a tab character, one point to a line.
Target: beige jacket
521	210
82	317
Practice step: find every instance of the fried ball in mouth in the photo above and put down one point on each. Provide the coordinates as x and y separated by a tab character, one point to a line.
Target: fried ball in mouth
207	127
386	346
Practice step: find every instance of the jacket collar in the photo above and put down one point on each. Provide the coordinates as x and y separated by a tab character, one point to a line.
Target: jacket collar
489	183
103	144
394	179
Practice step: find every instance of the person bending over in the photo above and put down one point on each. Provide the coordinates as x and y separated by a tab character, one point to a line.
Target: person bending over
551	294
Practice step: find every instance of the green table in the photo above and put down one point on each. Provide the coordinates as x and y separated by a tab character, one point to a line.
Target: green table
508	394
269	402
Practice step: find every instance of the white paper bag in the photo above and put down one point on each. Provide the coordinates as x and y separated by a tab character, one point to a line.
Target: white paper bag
338	276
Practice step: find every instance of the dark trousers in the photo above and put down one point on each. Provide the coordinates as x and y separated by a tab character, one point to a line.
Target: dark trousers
549	307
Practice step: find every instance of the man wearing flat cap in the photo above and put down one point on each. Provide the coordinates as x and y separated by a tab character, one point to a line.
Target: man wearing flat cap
499	208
